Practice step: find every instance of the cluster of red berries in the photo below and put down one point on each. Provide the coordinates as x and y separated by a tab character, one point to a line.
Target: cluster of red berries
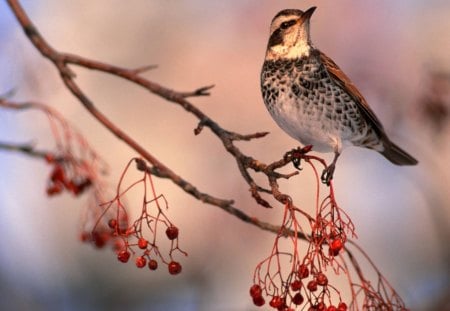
59	181
281	303
113	233
174	267
119	236
98	238
136	240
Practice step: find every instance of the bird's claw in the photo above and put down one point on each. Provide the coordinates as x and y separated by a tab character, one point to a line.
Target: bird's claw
297	154
296	162
327	174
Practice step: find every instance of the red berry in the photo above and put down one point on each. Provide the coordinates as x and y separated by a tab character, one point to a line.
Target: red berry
332	253
85	236
312	286
100	239
83	185
141	262
118	245
54	189
57	174
142	243
337	244
172	232
332	308
342	306
174	267
73	187
322	279
112	223
259	301
50	158
321	306
303	271
255	291
152	264
276	302
296	285
297	299
123	256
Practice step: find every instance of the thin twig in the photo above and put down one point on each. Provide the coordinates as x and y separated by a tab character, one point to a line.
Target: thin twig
27	149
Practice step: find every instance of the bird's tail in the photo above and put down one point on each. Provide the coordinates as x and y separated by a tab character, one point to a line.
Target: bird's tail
397	155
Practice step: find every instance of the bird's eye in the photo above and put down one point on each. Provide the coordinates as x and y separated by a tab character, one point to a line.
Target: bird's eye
287	24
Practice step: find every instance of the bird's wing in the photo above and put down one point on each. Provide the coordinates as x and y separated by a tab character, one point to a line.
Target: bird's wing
340	78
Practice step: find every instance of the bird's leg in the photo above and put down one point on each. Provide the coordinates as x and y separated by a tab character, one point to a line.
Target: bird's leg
295	155
327	174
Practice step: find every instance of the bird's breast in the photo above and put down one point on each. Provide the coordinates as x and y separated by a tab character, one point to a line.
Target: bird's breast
305	103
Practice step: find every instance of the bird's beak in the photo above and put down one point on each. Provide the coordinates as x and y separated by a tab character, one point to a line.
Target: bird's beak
307	15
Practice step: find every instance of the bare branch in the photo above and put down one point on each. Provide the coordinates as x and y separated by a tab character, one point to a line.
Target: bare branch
143	69
27	148
244	162
202	91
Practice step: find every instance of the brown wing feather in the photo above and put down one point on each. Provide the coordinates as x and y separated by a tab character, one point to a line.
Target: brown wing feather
343	81
391	151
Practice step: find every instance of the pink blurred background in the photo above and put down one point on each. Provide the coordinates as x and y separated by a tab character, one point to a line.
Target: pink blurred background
396	52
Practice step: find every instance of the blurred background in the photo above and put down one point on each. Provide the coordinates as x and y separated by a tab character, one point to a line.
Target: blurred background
396	52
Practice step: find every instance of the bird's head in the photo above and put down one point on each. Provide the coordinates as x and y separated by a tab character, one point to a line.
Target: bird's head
289	34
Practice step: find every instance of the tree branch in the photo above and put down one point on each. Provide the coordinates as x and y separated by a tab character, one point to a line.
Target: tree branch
244	162
27	149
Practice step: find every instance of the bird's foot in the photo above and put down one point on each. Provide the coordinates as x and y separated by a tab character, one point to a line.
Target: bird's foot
297	154
327	174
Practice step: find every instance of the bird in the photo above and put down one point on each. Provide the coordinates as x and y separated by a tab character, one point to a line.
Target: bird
313	100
